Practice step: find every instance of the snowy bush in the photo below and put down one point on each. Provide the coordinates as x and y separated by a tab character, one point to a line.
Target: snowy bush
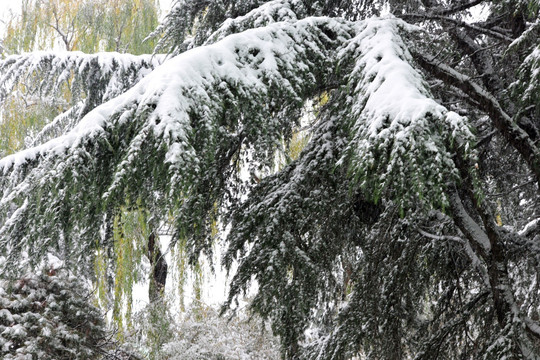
201	333
47	315
209	336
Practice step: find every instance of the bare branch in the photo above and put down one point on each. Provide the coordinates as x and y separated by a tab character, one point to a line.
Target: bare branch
457	8
441	237
460	23
515	135
530	227
512	189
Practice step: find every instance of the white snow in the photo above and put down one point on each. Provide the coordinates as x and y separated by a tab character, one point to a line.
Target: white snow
401	132
529	227
180	85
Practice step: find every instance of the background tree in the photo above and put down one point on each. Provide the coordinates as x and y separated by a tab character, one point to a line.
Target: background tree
88	26
407	226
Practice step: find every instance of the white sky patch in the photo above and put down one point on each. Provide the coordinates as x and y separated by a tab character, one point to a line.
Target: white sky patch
7	8
478	13
214	285
165	6
385	11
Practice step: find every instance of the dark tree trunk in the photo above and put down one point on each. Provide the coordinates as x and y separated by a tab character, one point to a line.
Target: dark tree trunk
158	269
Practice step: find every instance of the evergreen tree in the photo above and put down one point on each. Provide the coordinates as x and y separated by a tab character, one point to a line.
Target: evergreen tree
46	315
407	227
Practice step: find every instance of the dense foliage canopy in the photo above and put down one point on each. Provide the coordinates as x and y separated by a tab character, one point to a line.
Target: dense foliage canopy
407	227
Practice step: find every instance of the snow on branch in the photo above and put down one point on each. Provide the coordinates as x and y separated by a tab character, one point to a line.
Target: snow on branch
268	13
457	22
530	227
175	31
170	133
61	124
403	139
103	75
528	84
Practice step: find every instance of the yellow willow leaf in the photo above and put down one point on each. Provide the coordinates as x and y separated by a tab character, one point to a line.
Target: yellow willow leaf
290	272
181	267
35	28
100	270
498	217
323	98
120	276
297	144
197	290
214	230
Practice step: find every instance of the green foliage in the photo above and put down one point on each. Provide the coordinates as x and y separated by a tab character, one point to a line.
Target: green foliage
180	258
154	151
119	25
526	89
130	234
390	142
21	120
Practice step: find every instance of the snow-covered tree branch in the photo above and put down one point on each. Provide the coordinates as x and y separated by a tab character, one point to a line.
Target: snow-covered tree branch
404	226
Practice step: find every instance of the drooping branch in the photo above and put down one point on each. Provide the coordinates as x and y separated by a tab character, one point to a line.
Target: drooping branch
493	252
446	330
176	126
471	254
406	118
489	249
94	77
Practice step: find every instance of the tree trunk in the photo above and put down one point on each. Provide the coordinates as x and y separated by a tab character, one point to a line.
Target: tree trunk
158	269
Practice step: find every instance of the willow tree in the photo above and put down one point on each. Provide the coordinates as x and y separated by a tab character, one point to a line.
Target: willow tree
84	25
406	228
74	25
